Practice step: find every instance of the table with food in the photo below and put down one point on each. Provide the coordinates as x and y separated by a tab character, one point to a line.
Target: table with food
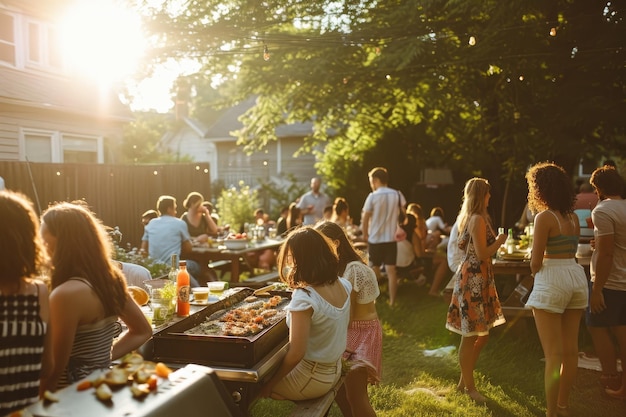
234	249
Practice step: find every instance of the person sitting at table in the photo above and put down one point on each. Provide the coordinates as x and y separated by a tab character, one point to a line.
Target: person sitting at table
135	274
168	235
434	260
341	213
317	315
199	222
281	223
148	215
365	335
88	296
436	228
294	217
24	309
409	251
560	294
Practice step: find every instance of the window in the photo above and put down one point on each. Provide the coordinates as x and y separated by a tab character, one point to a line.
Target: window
44	146
80	149
43	45
38	146
7	39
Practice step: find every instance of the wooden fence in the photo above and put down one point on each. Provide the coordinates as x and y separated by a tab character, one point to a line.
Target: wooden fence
118	194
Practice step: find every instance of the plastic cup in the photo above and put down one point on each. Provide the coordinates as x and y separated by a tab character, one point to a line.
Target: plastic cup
201	294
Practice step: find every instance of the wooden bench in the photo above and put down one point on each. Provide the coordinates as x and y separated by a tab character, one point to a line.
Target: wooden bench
317	407
257	281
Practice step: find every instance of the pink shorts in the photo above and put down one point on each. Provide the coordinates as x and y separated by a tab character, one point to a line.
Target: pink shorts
365	347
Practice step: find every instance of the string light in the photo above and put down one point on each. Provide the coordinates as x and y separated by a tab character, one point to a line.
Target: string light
552	32
472	41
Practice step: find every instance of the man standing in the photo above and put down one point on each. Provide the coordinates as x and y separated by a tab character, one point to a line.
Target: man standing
607	298
167	235
312	204
380	219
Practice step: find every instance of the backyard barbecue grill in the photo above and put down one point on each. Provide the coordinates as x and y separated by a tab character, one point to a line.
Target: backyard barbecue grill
240	362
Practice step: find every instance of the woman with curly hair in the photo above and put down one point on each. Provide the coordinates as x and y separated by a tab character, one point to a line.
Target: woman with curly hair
475	307
560	295
88	295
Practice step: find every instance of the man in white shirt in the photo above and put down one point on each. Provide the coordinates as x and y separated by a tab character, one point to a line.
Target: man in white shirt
312	203
379	221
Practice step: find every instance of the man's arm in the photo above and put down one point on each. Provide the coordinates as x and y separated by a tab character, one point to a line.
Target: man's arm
603	266
365	224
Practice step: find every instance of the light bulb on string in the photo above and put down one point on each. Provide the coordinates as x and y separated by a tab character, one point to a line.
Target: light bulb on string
472	41
266	53
553	32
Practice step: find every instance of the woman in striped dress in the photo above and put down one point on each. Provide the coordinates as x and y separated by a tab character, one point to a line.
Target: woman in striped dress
88	295
23	304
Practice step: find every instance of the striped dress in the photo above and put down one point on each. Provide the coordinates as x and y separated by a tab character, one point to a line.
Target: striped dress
91	349
21	347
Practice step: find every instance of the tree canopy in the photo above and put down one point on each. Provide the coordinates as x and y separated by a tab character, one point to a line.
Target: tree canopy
484	88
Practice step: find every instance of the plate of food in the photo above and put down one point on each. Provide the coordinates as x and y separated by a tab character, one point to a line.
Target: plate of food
515	256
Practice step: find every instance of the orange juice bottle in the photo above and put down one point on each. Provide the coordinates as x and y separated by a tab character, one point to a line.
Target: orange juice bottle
182	290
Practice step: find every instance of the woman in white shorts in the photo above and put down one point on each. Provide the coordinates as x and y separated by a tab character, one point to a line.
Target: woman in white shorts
559	296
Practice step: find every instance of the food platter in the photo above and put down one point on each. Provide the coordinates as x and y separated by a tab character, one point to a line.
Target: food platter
515	256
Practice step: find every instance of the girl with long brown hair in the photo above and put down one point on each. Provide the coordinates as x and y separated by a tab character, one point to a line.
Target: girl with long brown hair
88	295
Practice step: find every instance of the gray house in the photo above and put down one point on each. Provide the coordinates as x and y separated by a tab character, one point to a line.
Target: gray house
216	145
44	115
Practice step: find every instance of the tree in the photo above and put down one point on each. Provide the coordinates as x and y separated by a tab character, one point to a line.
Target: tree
141	142
486	88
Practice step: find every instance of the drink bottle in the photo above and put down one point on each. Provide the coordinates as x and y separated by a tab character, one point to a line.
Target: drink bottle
182	290
173	274
510	242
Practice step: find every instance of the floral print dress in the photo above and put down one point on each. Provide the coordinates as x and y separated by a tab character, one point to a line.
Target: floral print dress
475	307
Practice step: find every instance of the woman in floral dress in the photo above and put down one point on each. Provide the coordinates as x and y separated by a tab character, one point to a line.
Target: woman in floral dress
475	307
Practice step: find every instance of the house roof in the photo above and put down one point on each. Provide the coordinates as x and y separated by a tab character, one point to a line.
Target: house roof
44	91
229	122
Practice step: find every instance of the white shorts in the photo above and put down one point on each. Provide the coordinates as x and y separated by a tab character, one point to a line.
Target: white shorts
560	284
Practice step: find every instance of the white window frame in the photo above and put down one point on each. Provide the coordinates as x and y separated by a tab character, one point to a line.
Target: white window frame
99	144
43	43
56	143
15	43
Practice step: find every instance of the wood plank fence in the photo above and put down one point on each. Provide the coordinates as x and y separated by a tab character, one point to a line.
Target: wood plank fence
118	194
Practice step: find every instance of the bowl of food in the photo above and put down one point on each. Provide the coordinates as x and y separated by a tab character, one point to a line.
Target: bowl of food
235	244
217	287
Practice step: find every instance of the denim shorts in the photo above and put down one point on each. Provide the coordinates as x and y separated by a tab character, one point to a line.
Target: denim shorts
560	284
615	312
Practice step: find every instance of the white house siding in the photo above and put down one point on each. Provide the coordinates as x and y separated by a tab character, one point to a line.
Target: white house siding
9	145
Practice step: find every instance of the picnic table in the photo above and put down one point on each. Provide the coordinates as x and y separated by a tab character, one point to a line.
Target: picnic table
237	258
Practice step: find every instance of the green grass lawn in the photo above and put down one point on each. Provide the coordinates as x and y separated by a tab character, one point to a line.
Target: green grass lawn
509	372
